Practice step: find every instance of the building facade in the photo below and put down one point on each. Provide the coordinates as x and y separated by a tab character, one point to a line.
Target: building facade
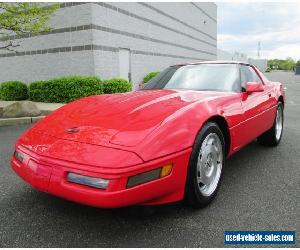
227	56
262	64
125	40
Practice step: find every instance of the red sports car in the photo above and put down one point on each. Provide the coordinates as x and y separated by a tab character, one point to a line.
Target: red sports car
164	143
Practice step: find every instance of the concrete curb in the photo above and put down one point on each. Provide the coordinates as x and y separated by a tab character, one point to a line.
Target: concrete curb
20	120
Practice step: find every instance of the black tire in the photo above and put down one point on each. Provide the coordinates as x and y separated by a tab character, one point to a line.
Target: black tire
193	195
269	137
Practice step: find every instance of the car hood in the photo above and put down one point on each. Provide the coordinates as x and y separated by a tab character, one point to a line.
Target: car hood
118	119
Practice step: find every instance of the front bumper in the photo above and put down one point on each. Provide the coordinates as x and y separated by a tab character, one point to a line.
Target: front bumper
50	175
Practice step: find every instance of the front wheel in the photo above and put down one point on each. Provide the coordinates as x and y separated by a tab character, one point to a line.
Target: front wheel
273	136
205	166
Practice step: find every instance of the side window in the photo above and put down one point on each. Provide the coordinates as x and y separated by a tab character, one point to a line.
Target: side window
248	75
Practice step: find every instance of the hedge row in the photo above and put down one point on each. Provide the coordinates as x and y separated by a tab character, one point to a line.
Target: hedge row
62	90
13	91
65	89
116	85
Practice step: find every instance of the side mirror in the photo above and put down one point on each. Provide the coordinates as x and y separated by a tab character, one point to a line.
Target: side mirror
254	87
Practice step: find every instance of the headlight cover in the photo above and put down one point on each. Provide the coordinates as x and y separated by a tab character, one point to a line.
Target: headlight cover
94	182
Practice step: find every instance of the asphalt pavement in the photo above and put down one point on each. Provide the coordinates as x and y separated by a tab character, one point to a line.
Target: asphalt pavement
260	191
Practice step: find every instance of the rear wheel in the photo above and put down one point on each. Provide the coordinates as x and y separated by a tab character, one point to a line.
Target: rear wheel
273	136
205	166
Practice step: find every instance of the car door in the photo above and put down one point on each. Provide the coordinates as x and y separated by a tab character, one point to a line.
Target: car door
257	106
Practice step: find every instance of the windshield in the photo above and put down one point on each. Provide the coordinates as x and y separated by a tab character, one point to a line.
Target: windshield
218	77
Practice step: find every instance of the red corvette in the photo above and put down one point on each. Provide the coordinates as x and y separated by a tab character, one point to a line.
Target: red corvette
165	143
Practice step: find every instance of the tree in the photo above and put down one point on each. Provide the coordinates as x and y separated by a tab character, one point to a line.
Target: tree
287	64
23	18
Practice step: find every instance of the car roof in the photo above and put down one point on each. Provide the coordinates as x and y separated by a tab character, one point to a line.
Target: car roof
213	62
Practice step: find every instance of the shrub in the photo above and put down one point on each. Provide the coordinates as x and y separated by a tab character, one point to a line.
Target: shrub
149	76
64	89
13	91
37	91
116	85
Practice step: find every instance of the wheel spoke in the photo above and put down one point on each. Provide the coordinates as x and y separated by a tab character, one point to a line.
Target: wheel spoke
279	121
209	164
204	179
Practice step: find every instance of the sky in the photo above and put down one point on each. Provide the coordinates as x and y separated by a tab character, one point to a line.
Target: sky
242	25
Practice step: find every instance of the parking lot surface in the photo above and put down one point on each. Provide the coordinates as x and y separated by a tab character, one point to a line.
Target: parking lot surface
260	191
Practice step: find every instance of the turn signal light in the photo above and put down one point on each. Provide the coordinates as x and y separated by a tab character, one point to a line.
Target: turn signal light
149	176
166	170
19	156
